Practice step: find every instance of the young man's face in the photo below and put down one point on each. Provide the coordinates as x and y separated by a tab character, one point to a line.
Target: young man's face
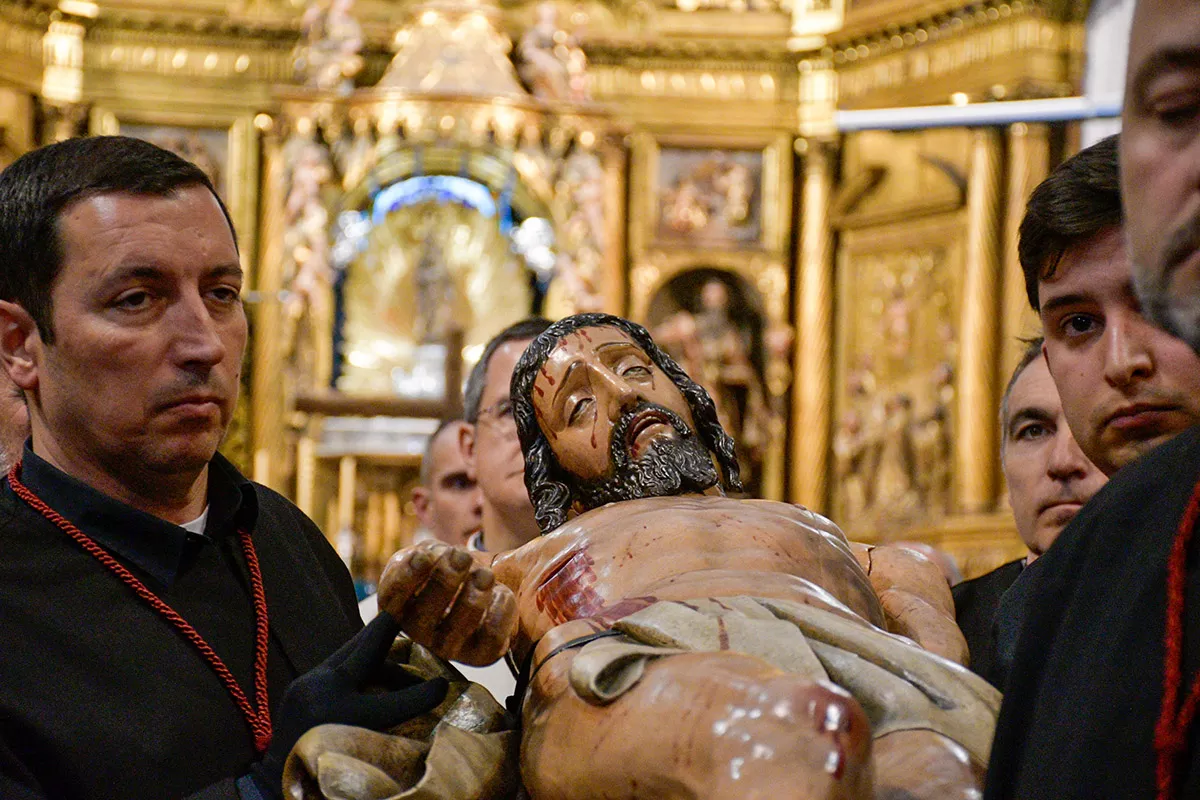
1160	161
149	336
450	507
1126	385
1049	478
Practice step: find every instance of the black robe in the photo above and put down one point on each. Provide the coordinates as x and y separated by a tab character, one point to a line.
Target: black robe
975	604
1085	688
100	697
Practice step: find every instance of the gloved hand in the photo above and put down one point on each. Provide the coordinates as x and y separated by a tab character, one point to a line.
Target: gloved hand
333	693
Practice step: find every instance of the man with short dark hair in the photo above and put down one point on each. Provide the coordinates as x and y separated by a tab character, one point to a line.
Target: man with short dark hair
447	499
168	624
1126	385
490	442
1049	479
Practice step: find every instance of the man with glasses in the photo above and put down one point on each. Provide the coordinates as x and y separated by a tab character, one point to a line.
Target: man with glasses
489	442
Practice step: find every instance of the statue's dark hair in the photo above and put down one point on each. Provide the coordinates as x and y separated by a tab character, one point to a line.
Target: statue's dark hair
547	482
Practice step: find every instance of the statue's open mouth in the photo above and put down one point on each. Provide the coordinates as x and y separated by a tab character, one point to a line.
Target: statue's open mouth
646	425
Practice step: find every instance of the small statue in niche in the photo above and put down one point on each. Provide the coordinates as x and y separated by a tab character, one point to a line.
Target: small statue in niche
436	296
553	65
328	55
654	604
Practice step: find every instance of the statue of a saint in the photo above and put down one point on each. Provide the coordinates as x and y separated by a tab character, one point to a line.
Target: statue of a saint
680	643
328	55
552	63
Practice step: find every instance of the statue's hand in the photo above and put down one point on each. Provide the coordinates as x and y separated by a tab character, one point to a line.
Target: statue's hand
915	597
447	602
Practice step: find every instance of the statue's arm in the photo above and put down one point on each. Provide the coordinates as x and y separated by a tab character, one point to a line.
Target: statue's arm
915	597
447	601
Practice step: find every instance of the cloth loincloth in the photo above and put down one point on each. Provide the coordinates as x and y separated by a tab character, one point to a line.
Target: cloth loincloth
899	685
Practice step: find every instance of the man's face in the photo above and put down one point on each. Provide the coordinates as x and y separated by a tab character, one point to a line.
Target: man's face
450	506
1049	477
1160	161
494	449
149	335
1126	385
615	422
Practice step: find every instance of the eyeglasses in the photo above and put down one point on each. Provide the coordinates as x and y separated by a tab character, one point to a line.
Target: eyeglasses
501	411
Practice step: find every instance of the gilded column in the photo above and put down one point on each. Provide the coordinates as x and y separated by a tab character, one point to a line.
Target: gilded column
975	424
1028	162
267	400
811	395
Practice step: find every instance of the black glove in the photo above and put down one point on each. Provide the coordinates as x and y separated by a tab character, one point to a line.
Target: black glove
333	693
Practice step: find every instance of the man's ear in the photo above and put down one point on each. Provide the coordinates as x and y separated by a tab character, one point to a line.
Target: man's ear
466	444
20	345
420	499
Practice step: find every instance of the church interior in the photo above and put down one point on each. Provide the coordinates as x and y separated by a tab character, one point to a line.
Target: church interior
812	205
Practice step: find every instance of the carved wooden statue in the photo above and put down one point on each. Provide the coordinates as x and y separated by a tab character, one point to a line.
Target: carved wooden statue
677	642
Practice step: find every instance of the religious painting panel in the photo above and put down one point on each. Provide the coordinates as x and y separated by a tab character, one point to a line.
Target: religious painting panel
711	321
709	197
899	289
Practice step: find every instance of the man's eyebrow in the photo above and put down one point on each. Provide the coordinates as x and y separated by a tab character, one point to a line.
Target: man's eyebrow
1028	414
1055	303
1166	59
230	270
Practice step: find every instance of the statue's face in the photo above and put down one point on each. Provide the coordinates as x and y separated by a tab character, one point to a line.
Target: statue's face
601	401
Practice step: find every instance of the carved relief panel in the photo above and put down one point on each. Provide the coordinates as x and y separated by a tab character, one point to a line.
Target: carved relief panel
899	275
892	442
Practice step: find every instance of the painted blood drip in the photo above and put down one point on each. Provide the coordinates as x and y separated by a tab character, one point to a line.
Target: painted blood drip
549	378
623	608
583	332
541	392
722	633
567	593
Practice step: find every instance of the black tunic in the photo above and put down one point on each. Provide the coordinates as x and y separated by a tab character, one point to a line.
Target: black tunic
1085	688
975	603
100	697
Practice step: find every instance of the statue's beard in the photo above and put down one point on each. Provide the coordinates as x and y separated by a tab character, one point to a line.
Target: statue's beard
669	466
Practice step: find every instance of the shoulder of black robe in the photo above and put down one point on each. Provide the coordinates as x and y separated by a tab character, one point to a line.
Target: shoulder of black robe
1085	687
1007	622
975	603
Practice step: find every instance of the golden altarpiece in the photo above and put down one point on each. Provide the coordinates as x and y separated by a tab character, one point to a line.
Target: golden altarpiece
408	177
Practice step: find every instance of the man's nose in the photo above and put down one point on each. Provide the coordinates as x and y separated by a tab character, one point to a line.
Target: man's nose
197	335
1066	460
1127	359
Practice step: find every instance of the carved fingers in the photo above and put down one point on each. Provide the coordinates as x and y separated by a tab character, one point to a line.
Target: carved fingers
447	602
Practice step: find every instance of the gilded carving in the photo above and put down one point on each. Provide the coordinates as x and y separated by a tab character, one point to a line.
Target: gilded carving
328	54
892	443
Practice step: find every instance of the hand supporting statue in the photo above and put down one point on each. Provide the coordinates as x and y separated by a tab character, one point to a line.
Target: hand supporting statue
449	603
